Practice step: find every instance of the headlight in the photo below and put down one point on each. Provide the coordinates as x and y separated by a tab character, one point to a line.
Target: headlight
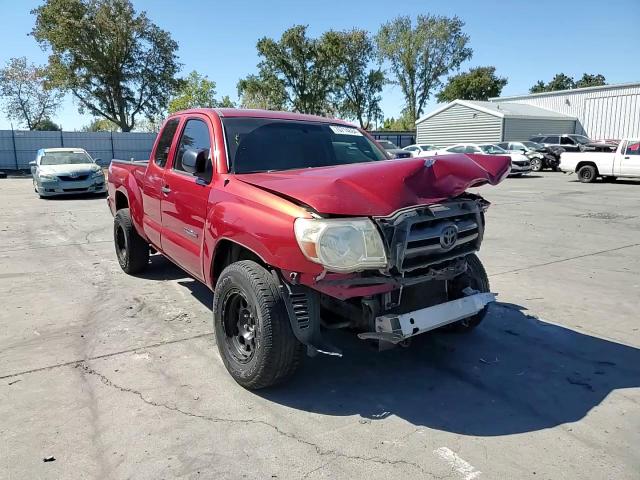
48	178
97	174
341	245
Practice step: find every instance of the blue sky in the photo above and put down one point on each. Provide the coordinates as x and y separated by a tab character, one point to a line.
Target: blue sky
526	40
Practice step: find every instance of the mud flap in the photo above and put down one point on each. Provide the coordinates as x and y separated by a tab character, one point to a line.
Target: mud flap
303	309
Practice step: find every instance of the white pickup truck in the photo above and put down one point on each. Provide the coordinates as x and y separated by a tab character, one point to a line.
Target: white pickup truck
624	162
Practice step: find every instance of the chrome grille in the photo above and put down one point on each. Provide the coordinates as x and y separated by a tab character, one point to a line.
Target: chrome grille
413	236
68	178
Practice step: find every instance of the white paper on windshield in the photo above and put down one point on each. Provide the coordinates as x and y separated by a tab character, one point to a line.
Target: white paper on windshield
340	130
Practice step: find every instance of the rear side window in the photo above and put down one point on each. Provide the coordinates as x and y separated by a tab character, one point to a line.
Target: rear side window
164	144
552	139
567	141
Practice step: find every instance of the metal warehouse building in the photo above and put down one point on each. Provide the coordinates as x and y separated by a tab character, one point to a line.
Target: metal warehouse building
610	111
487	122
607	112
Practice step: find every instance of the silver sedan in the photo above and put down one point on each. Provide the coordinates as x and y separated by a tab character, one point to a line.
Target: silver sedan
65	171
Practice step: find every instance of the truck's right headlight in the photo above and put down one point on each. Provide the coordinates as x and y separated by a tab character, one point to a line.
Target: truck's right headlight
341	245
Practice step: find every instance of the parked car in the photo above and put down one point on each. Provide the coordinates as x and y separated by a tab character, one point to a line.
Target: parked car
418	150
393	150
539	155
290	217
571	142
66	171
520	164
624	162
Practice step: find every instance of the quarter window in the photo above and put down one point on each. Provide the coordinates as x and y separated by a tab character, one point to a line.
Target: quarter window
164	144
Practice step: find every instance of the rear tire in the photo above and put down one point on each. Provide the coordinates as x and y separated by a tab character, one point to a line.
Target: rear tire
252	327
476	278
587	173
131	249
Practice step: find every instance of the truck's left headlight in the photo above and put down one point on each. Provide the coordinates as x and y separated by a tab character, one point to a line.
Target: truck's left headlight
341	245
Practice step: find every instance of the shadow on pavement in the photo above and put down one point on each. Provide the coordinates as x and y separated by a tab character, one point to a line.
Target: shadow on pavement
513	374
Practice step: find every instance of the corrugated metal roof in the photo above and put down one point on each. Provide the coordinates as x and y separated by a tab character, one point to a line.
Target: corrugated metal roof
570	91
502	110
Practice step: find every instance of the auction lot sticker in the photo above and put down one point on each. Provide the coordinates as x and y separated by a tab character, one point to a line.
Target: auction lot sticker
340	130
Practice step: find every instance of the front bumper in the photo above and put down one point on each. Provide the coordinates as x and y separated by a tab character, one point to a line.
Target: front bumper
395	328
91	185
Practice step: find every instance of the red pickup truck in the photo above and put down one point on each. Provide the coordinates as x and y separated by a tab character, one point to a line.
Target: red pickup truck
298	223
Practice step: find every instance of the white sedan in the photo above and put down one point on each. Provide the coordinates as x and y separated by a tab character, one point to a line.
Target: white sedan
520	164
65	171
420	149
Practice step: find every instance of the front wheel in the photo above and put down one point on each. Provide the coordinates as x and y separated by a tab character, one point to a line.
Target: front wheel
252	327
475	278
536	164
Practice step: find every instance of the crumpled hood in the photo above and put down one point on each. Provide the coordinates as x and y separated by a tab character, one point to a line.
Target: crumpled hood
381	188
78	168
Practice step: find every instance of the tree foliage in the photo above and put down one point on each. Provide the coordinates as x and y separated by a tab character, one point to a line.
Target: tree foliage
421	56
480	83
357	87
116	62
564	82
295	71
47	125
402	124
197	91
100	125
28	96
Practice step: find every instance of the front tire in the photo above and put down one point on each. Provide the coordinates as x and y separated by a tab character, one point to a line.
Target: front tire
536	164
252	327
131	249
476	278
587	173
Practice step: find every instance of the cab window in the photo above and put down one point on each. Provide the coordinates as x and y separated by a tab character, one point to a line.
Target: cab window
567	141
164	143
195	136
633	148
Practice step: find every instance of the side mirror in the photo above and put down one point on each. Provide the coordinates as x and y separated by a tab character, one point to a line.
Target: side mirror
194	161
32	164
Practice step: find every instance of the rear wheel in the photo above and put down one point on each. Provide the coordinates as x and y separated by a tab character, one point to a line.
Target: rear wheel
131	249
252	327
587	173
475	278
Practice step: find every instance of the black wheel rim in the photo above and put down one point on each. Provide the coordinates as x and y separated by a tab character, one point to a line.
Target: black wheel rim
240	326
121	244
586	174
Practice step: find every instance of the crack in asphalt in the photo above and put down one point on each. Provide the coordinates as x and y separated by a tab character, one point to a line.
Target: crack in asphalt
321	451
566	259
106	355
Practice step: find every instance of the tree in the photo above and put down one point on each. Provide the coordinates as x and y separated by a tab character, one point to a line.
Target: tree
297	67
402	124
478	83
46	125
116	63
539	87
589	80
28	95
197	91
421	56
100	125
561	82
358	88
265	91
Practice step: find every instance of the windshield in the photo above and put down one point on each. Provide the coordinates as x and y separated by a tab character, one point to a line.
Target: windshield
388	145
65	158
533	145
580	139
492	149
266	144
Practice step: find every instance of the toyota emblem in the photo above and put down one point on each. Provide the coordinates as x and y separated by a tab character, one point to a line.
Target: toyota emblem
448	237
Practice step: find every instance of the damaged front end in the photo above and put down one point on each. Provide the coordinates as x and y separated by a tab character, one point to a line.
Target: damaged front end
428	282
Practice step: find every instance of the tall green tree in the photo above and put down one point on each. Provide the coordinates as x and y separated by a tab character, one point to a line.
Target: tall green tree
264	91
116	62
358	87
591	80
561	82
480	83
197	91
100	125
299	68
421	55
27	94
47	125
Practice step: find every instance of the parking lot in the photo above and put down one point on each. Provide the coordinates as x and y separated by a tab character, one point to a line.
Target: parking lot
119	377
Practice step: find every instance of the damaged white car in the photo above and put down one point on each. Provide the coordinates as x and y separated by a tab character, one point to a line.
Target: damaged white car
65	171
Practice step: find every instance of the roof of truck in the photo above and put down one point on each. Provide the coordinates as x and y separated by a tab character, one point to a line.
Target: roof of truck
254	113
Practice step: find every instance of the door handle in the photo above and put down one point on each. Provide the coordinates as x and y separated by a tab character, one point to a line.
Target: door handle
166	190
626	158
